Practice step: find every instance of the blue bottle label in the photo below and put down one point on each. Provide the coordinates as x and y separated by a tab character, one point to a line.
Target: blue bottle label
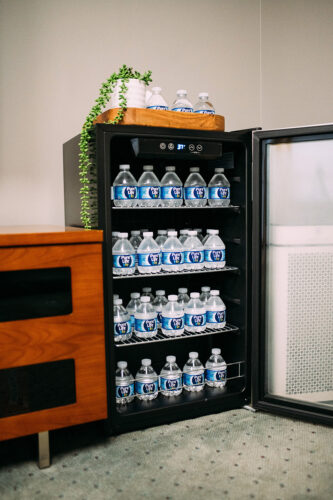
170	384
146	325
205	111
171	192
183	109
195	193
132	320
124	261
219	193
146	387
215	316
149	192
216	375
194	256
172	258
195	319
172	323
124	391
214	255
125	192
193	379
149	259
165	108
122	328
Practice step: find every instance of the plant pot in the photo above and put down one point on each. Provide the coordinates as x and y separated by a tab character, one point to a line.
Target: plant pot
136	94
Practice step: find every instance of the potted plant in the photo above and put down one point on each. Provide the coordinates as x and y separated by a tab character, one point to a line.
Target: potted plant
125	88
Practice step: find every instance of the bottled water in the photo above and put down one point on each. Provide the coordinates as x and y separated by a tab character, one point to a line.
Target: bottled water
195	314
123	256
215	311
172	253
149	255
199	233
161	237
135	241
147	292
148	188
203	105
171	380
145	320
121	322
115	296
193	374
195	190
171	188
181	102
193	252
133	306
172	317
214	251
219	189
208	233
183	236
115	236
183	298
158	303
125	191
146	383
216	370
205	295
156	101
124	384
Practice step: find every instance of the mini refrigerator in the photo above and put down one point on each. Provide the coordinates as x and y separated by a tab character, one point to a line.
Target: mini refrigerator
277	284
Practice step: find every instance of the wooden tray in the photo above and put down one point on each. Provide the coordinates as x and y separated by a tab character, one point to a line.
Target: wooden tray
172	119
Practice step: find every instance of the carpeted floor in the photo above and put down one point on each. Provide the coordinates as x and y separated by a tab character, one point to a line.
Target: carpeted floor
232	455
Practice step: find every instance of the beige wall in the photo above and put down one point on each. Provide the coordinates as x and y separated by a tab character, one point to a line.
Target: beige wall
55	53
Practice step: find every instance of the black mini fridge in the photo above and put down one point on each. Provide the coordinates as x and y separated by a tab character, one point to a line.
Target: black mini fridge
277	284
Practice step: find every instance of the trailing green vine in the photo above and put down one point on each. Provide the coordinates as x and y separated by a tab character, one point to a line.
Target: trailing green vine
87	144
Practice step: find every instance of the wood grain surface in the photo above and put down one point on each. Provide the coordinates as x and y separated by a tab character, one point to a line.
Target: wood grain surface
46	235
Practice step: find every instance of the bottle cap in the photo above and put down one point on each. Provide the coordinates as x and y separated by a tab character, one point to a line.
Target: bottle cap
172	298
198	229
156	89
203	94
205	288
160	292
135	295
146	362
122	364
183	231
214	231
216	350
148	167
162	232
145	298
146	289
181	92
182	290
192	233
123	235
170	169
193	355
171	359
117	302
215	292
195	295
209	231
115	296
148	234
219	170
115	233
135	233
172	233
194	169
124	167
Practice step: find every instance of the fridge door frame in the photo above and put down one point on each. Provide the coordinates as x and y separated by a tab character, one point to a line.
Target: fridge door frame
260	400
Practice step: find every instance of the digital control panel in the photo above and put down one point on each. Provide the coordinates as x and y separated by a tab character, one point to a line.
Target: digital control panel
145	148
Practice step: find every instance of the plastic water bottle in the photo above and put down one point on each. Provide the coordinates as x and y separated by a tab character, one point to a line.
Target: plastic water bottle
181	102
172	317
193	252
115	296
203	105
147	292
216	370
171	188
172	253
149	255
171	379
123	256
133	306
183	298
156	101
195	189
124	384
215	311
121	322
115	236
208	233
135	239
219	189
161	237
159	301
125	190
183	235
193	374
214	251
205	295
146	381
148	188
195	314
145	320
199	233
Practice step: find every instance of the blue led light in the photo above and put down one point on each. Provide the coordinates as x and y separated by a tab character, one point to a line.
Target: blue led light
181	146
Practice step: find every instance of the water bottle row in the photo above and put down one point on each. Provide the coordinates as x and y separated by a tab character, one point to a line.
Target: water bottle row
181	103
144	315
148	191
172	380
167	252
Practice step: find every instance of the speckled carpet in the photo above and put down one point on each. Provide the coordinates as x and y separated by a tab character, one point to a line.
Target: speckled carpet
232	455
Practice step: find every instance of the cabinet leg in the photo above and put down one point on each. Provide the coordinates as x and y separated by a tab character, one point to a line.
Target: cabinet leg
43	450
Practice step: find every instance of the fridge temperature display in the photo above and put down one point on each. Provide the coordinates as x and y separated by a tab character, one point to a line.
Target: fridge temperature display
150	148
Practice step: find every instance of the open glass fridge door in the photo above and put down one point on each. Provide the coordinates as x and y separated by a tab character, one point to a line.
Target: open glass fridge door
293	272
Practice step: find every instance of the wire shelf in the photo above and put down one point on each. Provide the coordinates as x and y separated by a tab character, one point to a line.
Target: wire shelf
168	273
235	208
